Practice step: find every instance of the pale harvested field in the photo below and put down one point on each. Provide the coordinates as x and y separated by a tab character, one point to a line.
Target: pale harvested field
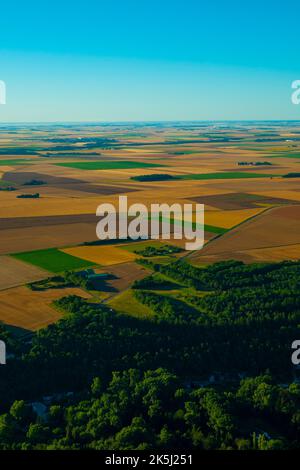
277	253
32	310
104	255
276	227
275	187
16	273
12	207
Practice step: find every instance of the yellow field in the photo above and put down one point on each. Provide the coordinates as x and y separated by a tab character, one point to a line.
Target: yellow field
103	255
228	219
11	207
23	308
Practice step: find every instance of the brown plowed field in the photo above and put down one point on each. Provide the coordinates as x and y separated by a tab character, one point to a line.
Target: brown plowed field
277	227
49	236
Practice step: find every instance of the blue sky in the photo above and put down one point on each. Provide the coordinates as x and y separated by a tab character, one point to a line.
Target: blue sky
123	60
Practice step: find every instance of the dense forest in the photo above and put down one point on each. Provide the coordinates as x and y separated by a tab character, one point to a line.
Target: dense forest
211	369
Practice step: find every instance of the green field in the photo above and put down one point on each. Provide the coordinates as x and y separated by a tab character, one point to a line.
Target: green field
5	184
108	165
225	175
127	304
207	228
16	161
213	229
52	260
284	155
211	176
140	246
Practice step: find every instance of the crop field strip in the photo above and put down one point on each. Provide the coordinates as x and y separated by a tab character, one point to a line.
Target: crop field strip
19	179
108	165
225	175
53	260
102	255
51	220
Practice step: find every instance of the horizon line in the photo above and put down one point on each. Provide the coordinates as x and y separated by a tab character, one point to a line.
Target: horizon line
151	121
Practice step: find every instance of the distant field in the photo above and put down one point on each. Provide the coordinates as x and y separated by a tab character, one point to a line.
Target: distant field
235	201
285	155
225	175
108	165
153	178
17	161
18	151
126	303
53	260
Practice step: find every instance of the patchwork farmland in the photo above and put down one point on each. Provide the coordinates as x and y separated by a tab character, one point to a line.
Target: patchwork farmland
252	205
